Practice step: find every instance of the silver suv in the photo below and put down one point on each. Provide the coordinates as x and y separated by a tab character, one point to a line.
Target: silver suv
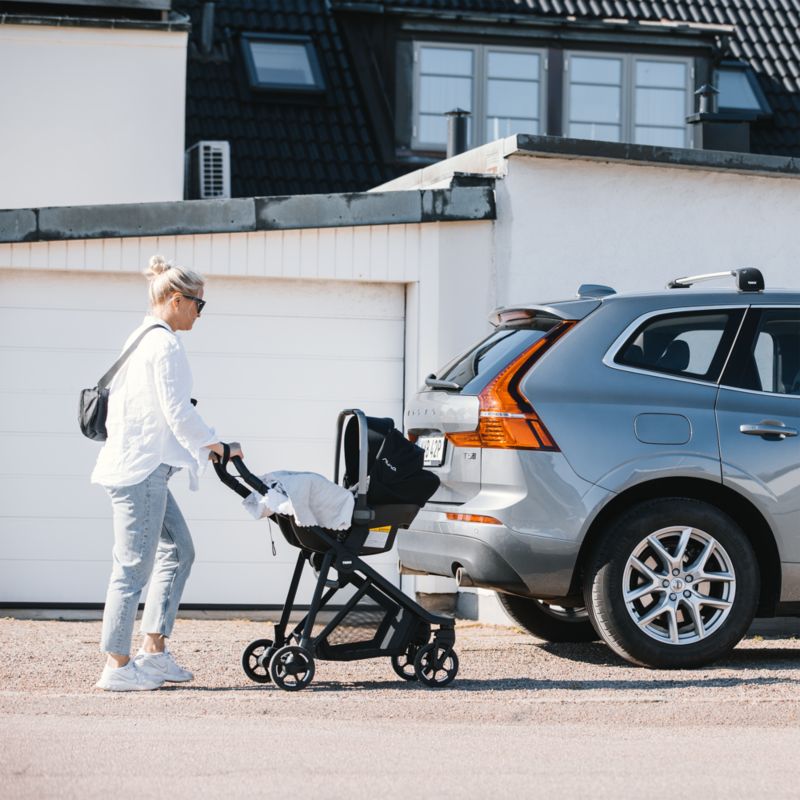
625	465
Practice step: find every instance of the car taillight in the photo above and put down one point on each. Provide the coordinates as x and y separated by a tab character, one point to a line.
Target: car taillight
507	419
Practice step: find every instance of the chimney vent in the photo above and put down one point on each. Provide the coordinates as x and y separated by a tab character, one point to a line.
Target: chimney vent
456	131
707	98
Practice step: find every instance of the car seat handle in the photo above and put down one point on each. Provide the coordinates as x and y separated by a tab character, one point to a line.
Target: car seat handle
363	452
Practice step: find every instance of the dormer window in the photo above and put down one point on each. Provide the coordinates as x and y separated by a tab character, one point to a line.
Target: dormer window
739	92
282	63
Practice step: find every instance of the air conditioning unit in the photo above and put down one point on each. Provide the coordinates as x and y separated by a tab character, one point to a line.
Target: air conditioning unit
208	170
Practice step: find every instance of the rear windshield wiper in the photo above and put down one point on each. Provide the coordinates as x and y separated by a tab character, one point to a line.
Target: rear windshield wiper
434	383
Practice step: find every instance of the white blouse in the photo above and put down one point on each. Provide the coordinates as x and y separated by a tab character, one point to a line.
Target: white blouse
151	420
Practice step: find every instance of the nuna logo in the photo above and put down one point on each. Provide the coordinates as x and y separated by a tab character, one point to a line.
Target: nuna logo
388	464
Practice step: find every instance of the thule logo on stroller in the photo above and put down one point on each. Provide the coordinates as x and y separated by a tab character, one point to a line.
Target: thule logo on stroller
379	457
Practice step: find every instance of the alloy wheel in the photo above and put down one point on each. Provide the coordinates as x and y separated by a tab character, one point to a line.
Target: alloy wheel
679	585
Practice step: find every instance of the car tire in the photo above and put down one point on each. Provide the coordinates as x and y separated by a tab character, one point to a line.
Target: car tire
672	583
547	621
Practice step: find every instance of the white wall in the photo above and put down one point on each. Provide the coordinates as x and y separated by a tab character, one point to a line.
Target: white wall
564	222
90	116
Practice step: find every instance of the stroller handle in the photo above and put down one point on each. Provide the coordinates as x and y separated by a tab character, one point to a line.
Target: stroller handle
361	497
244	473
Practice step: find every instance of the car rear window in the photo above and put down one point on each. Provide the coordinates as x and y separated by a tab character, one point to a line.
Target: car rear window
473	370
690	344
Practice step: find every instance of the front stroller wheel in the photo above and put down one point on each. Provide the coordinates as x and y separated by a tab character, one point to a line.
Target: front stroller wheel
255	660
292	668
436	665
403	665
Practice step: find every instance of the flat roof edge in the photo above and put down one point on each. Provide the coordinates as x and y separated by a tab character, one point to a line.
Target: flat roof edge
176	23
650	155
294	212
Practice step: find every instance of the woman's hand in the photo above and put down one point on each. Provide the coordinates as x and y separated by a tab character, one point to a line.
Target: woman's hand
218	451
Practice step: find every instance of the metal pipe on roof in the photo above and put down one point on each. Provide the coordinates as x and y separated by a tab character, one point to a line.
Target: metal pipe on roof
456	131
207	29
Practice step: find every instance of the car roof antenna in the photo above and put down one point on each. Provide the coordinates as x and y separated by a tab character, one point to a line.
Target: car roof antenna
748	279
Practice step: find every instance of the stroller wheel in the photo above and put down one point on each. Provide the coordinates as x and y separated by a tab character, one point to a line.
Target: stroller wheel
403	665
436	665
292	668
255	660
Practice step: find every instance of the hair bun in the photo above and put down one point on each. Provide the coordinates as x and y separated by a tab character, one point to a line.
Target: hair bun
157	265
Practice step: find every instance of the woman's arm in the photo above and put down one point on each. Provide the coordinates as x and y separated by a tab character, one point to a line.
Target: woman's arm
173	382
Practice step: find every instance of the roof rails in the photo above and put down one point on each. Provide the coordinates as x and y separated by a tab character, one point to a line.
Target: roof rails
748	279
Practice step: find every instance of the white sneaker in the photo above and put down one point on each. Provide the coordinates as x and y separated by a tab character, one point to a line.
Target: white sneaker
162	666
127	679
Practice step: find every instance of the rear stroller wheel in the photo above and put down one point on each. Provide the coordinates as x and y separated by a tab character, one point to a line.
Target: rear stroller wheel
403	664
255	660
292	668
436	665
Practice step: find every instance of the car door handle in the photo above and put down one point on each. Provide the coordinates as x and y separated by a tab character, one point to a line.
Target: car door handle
768	429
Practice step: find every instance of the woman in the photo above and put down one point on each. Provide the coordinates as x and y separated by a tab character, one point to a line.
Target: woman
153	431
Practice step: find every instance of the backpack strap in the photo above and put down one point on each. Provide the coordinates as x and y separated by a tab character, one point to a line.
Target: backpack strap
115	367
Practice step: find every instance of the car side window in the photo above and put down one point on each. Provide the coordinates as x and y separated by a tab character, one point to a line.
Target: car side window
768	357
691	344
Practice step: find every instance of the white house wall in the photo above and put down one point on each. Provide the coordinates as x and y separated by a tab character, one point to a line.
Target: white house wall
90	115
562	222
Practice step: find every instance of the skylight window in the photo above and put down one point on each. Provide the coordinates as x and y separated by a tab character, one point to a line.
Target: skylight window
282	63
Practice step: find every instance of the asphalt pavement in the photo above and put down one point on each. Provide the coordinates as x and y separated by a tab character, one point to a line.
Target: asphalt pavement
523	717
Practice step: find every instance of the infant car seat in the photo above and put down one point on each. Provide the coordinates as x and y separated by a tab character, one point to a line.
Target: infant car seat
394	465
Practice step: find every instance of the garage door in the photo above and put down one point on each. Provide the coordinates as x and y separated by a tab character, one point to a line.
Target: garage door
274	361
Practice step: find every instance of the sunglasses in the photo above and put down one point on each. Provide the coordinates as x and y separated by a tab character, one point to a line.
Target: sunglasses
201	304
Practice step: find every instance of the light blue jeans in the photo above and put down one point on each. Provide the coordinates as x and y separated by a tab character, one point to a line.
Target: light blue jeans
151	541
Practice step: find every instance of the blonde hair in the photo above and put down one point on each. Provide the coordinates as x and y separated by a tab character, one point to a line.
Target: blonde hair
166	278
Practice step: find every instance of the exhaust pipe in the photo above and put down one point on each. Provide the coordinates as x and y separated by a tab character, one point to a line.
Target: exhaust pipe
463	578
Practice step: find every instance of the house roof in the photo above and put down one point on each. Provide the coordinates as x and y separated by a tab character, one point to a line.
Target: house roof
285	145
766	36
281	144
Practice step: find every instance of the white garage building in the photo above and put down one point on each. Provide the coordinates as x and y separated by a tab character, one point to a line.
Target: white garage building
317	303
301	322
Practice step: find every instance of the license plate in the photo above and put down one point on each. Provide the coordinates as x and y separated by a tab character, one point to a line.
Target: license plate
434	450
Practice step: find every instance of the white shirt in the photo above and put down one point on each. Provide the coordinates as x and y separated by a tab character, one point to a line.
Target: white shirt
151	420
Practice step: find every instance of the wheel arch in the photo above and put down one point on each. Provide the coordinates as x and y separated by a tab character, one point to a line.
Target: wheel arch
725	499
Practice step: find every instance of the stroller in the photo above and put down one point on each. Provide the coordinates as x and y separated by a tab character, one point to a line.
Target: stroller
379	457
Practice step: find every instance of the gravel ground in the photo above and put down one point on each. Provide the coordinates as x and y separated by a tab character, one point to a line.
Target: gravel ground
522	716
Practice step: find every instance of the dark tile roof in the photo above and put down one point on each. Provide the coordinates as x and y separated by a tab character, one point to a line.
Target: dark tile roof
767	36
287	146
280	145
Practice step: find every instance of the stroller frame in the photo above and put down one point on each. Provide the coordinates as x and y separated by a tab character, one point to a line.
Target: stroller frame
405	628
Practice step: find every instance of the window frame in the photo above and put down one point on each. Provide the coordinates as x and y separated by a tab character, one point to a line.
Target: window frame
480	78
628	91
282	38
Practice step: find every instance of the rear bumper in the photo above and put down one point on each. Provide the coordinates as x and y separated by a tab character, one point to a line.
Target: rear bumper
492	556
442	553
544	510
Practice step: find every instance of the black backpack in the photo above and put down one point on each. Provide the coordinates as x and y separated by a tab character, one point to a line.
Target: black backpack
394	465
